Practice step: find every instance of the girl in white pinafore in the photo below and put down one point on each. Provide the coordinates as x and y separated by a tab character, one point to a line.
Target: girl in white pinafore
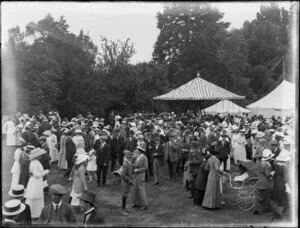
35	188
92	166
15	170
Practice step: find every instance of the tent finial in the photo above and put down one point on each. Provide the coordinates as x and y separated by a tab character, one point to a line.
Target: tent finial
198	74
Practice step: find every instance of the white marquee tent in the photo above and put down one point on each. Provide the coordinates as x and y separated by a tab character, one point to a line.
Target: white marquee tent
280	102
224	107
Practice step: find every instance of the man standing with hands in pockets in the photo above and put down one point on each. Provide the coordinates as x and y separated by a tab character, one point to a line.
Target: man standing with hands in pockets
102	159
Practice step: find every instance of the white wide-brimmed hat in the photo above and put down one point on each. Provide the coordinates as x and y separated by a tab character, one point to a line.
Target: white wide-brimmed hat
81	158
267	154
36	153
260	134
47	133
283	156
78	130
13	207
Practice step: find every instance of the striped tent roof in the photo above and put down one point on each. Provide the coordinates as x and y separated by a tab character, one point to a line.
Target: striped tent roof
198	89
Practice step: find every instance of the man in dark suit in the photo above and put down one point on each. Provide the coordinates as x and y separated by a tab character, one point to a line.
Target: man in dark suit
45	159
45	125
102	158
58	212
158	160
70	151
130	143
119	143
150	144
224	149
87	204
17	192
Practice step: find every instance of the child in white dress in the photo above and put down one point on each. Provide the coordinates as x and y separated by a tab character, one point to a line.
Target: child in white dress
92	166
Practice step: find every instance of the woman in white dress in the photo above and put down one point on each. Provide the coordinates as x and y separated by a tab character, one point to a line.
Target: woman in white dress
34	191
240	147
234	138
11	133
52	143
62	162
15	170
79	180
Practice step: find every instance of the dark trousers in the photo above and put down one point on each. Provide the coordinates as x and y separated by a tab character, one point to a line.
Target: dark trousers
70	166
113	163
120	158
102	170
193	189
172	169
224	160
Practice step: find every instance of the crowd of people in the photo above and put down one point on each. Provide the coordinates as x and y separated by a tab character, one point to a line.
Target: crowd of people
137	147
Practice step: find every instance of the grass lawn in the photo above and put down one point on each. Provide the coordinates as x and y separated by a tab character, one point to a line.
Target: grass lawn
169	204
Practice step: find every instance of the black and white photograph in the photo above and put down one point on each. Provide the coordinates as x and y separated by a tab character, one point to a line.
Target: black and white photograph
149	114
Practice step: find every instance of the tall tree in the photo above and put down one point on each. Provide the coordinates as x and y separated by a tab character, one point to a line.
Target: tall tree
188	40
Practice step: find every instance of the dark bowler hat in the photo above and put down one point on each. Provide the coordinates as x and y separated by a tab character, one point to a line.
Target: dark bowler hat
88	196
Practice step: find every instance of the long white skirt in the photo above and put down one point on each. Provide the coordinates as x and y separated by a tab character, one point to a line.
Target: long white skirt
11	139
75	198
36	206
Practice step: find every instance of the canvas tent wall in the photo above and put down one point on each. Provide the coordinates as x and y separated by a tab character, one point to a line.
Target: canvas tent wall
226	107
280	102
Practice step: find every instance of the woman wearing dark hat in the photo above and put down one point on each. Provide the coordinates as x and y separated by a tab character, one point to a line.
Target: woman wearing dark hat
87	205
140	166
17	192
212	197
263	185
201	180
281	189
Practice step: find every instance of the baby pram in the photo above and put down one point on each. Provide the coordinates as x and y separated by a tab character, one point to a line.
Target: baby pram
239	190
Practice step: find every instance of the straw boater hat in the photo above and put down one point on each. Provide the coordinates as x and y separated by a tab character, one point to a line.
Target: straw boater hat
283	156
88	196
17	191
254	132
36	153
13	207
58	189
267	154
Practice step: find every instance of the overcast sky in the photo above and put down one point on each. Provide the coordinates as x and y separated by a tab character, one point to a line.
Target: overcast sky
118	20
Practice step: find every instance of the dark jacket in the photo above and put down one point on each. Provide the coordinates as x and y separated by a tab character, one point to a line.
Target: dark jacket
160	151
201	179
119	143
25	216
224	150
70	148
93	219
66	212
45	158
103	155
130	145
150	144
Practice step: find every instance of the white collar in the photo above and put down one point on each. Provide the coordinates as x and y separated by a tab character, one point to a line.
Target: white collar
89	211
59	204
